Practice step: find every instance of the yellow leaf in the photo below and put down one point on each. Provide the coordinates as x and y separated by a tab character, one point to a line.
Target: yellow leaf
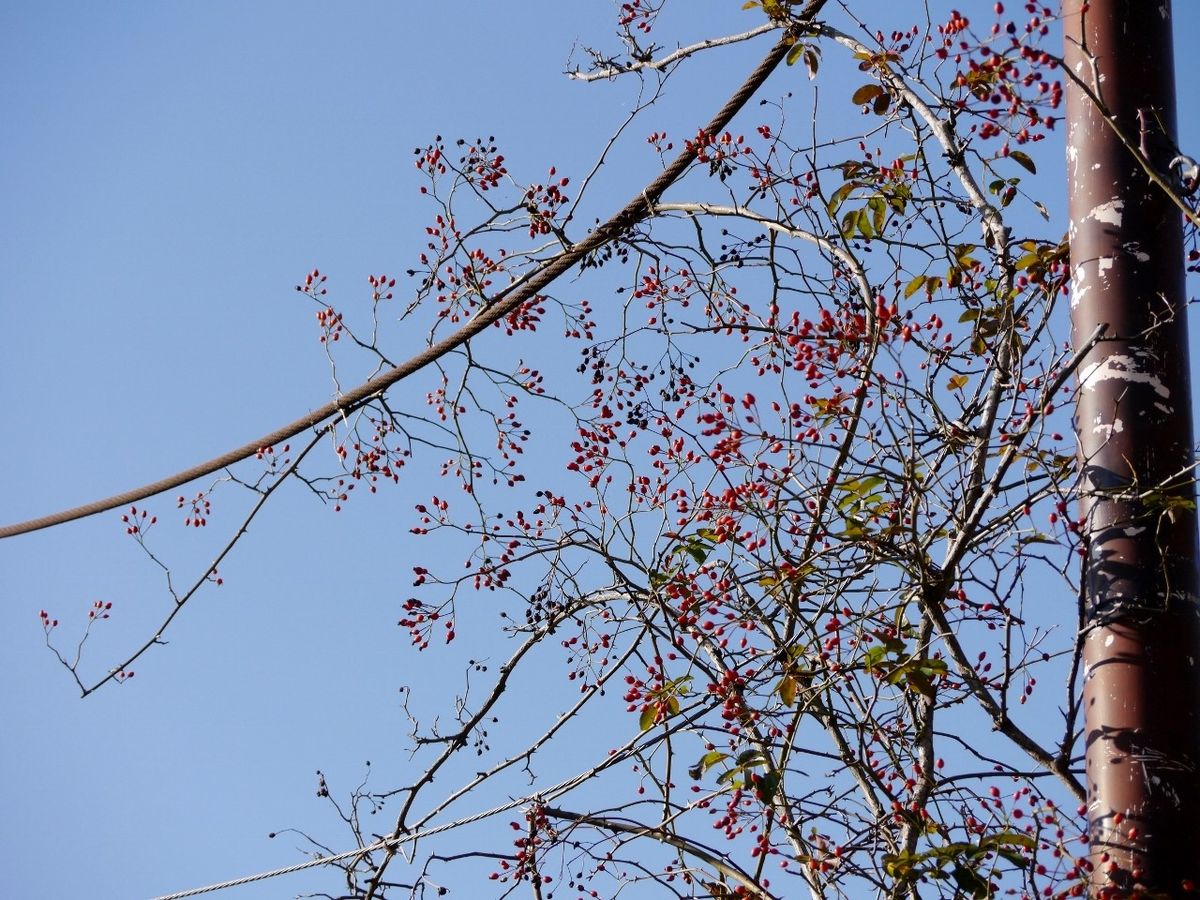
787	690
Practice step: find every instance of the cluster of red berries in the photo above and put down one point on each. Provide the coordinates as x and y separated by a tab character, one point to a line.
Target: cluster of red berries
137	523
199	509
312	284
380	284
639	16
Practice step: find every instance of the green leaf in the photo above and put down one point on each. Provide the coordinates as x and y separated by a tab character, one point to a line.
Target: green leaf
866	94
932	667
854	529
751	758
794	54
647	718
839	196
731	777
711	758
850	223
1037	537
899	864
969	881
874	656
678	685
1014	838
695	548
860	491
962	252
1013	856
1023	160
878	213
864	225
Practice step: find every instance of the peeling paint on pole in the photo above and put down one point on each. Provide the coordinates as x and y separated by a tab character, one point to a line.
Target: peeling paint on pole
1141	688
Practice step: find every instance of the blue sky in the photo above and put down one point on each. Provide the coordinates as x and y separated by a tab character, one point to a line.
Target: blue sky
168	173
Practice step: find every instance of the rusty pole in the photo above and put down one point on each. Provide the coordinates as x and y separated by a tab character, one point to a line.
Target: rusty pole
1141	639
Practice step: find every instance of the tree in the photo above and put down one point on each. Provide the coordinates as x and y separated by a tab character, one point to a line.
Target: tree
797	526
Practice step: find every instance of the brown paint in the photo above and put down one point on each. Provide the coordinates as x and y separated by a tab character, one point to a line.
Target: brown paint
1141	692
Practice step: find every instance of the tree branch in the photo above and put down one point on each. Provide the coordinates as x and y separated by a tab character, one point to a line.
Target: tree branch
508	300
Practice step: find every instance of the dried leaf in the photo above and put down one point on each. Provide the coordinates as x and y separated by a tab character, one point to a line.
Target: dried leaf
866	94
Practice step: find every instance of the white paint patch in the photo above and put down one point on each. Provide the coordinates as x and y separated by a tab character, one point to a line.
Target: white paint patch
1104	264
1134	531
1109	213
1133	248
1121	368
1079	285
1108	640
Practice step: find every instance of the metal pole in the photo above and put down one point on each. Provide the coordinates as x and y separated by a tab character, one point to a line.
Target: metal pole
1141	640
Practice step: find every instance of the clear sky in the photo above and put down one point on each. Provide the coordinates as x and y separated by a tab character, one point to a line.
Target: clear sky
168	172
